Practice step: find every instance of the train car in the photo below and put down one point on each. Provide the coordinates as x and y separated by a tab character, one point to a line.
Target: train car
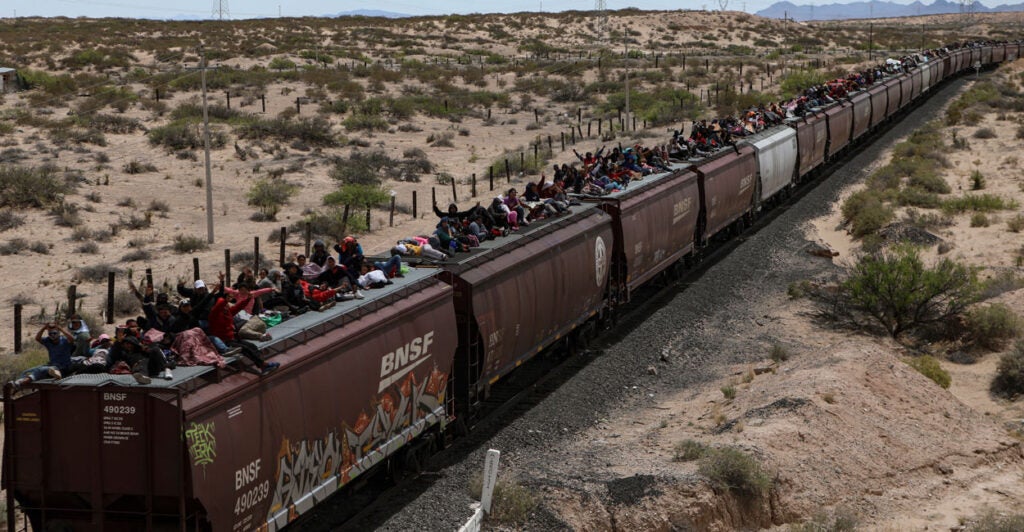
727	185
776	150
921	80
879	102
225	449
986	55
839	117
975	60
811	137
1012	52
907	87
893	89
948	66
998	54
658	218
516	296
861	101
938	71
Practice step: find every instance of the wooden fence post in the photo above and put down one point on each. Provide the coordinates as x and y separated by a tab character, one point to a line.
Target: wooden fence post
490	177
455	193
110	298
195	268
391	217
474	183
414	214
309	233
72	300
284	237
256	256
227	266
17	328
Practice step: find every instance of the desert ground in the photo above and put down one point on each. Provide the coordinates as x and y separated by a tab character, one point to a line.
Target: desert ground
438	99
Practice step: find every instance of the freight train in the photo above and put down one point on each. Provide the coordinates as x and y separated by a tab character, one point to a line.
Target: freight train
382	381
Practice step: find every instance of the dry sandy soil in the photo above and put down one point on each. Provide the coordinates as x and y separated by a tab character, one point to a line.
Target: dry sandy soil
852	426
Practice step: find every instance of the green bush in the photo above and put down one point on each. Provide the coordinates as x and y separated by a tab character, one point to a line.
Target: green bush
729	391
733	470
1015	224
511	503
977	180
985	133
189	244
928	366
688	451
779	353
1009	380
918	197
979	219
12	365
896	289
977	203
185	135
365	122
27	187
932	182
270	194
993	326
866	212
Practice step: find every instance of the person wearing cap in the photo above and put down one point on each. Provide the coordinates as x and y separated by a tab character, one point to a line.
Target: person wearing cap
201	297
60	346
80	332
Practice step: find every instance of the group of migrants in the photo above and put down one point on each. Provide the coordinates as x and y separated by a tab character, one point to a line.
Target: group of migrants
207	323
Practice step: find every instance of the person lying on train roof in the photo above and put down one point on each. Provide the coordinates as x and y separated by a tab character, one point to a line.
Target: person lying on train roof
417	247
372	278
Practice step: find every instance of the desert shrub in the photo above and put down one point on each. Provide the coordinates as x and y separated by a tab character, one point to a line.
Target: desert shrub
40	248
270	194
511	503
928	366
918	197
315	131
27	187
88	248
1001	283
977	180
365	122
1015	224
185	135
138	167
688	451
189	244
135	222
159	205
441	140
96	273
330	223
896	289
977	203
985	133
733	470
866	212
81	234
66	215
246	258
729	391
993	326
926	220
125	302
10	220
13	246
979	219
994	522
1009	379
931	182
778	353
126	201
194	112
137	255
11	366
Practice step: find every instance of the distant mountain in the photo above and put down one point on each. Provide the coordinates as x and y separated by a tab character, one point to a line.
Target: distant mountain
370	13
873	9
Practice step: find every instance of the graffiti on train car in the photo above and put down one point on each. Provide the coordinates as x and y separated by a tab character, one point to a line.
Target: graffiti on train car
304	465
202	444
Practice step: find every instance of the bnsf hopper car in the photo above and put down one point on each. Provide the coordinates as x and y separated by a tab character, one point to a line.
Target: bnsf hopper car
380	382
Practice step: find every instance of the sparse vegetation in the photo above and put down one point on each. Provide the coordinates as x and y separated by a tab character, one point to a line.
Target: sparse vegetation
688	451
511	503
96	273
993	326
1009	380
929	366
189	244
270	194
729	391
779	353
732	470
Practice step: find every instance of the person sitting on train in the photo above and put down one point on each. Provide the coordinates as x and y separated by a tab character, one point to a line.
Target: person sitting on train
319	254
504	217
512	201
200	296
222	334
60	345
350	255
145	362
448	237
477	228
98	360
184	317
392	267
246	276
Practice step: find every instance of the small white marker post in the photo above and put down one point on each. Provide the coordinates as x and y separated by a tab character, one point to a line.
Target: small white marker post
490	478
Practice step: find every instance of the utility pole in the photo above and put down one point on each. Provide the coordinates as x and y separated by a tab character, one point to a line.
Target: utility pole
871	41
206	146
625	35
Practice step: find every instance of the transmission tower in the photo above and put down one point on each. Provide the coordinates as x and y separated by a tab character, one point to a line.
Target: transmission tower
220	10
602	20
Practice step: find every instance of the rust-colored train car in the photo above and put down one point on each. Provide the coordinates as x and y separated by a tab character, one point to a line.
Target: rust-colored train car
879	101
727	185
234	451
520	297
893	90
840	127
917	82
811	137
658	218
861	113
986	55
998	54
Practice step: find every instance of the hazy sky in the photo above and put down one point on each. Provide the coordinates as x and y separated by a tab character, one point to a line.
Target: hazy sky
295	8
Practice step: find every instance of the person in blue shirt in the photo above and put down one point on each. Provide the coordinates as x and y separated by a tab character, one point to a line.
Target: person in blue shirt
60	345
